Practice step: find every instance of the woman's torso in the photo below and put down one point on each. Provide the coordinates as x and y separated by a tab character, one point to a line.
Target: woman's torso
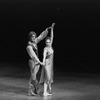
50	52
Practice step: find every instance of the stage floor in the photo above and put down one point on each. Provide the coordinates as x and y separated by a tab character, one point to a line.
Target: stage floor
65	87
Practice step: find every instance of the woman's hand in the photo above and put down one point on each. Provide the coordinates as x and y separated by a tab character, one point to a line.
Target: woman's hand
40	62
53	25
43	63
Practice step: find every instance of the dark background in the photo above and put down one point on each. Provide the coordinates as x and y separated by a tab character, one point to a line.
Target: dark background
76	33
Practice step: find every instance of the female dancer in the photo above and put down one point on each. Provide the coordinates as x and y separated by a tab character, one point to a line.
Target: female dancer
47	69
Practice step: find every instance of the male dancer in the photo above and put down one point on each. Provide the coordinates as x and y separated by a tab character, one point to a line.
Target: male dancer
34	62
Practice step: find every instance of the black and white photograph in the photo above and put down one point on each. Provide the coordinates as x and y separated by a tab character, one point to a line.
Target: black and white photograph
49	50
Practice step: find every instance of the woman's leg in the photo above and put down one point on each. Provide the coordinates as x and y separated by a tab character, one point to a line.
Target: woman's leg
45	90
49	87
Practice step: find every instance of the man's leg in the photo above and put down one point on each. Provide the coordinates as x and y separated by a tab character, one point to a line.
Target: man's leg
32	78
33	81
36	84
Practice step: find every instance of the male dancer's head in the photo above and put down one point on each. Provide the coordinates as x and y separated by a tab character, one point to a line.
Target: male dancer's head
32	36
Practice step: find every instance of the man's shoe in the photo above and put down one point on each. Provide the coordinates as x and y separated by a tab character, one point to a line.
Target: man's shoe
30	93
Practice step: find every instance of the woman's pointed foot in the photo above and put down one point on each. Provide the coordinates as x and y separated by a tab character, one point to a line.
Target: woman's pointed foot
46	94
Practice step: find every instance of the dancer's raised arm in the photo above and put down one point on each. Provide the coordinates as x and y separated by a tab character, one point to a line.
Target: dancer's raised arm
52	33
42	35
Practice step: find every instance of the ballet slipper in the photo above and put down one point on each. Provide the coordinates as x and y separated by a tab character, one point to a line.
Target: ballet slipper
46	94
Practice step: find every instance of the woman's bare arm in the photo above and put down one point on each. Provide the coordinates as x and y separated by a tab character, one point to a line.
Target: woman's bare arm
52	33
44	55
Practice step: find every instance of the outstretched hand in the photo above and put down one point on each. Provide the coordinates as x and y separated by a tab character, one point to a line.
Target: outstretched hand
41	63
50	26
53	25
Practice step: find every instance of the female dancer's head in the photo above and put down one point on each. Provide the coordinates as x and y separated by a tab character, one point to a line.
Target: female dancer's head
48	41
